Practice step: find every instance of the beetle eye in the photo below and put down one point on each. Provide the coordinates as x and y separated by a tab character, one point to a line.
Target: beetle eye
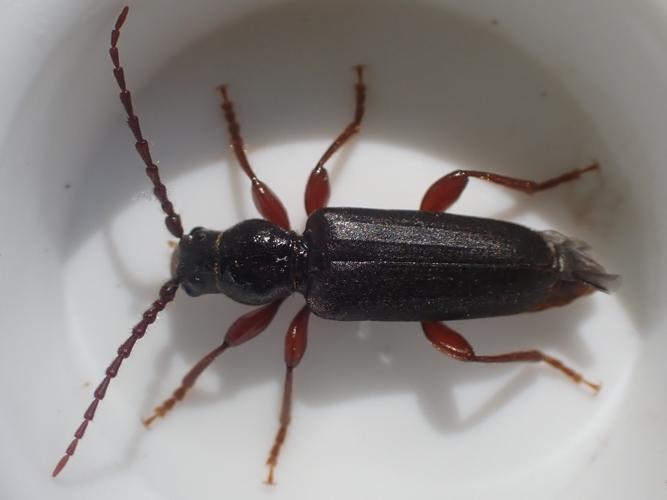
202	236
193	286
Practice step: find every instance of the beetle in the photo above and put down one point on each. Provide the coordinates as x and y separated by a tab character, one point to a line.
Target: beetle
355	264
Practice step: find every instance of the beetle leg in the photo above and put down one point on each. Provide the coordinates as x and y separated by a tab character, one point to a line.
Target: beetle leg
266	201
317	188
446	190
295	346
243	329
451	343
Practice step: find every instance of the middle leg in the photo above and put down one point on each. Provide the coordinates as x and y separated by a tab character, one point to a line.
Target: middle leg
317	188
295	347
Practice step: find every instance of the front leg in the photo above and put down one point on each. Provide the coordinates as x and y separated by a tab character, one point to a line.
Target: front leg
243	329
266	201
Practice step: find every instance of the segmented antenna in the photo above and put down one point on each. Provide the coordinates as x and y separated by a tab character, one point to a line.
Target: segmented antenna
173	223
173	220
167	293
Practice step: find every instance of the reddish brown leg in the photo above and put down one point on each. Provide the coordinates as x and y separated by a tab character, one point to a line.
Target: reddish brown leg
451	343
317	188
295	346
243	329
266	201
173	220
446	190
167	293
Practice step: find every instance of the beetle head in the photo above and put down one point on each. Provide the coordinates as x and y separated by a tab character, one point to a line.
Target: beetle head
196	261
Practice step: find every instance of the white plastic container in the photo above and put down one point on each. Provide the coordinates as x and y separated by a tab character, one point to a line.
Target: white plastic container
529	89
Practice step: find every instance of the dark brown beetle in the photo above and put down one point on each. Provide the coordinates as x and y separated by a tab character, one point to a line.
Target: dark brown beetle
360	264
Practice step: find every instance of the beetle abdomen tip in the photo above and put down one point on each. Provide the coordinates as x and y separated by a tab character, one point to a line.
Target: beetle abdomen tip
577	264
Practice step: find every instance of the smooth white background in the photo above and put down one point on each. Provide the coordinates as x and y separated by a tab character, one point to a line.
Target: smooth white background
520	87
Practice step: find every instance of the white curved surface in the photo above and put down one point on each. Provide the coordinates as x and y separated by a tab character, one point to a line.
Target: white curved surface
529	89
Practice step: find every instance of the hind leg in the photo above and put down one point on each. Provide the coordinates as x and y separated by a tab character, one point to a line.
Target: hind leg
446	190
452	343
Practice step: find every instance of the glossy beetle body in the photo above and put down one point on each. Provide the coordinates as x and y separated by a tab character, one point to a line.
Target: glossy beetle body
387	265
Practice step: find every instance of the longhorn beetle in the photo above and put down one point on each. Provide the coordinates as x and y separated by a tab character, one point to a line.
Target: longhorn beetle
359	264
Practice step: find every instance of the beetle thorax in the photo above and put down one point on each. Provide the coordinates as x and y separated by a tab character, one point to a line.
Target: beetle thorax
252	262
